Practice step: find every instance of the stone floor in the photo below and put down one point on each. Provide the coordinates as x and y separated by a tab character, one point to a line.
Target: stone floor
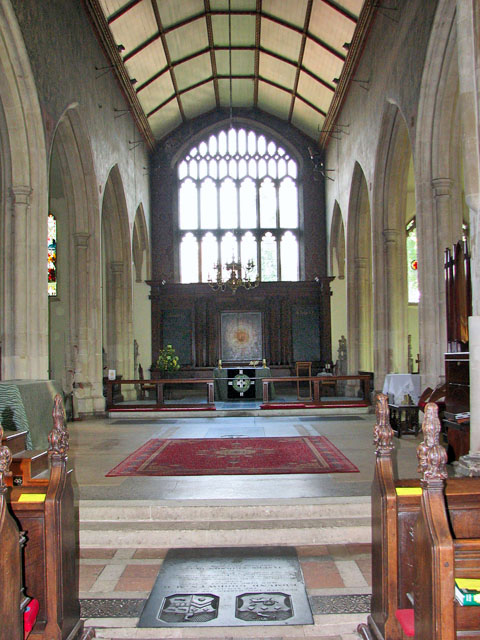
115	581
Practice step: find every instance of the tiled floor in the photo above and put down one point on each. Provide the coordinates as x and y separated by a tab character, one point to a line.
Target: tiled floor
116	582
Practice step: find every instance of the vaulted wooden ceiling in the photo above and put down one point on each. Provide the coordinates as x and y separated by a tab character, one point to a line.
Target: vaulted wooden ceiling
179	59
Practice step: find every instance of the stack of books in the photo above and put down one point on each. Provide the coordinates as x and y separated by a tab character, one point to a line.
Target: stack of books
467	591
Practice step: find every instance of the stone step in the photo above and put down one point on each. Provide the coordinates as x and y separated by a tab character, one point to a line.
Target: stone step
140	523
325	627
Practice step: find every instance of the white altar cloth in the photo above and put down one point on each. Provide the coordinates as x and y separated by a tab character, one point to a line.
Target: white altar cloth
398	385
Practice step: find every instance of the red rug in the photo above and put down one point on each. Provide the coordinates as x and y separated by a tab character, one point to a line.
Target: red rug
231	456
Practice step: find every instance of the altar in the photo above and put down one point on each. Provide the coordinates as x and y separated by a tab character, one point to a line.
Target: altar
239	382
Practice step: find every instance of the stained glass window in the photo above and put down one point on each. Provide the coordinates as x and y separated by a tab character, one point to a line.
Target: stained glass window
238	196
52	255
412	262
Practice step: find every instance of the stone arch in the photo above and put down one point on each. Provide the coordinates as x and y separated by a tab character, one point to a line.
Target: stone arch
23	196
337	243
394	157
338	285
142	326
359	275
117	278
74	348
141	247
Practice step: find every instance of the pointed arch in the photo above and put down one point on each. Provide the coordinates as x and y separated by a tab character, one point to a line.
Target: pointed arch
394	156
23	198
338	285
337	243
74	348
117	277
141	246
359	275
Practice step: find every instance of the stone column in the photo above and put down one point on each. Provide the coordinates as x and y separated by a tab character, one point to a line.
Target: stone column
468	66
396	302
21	273
363	313
116	314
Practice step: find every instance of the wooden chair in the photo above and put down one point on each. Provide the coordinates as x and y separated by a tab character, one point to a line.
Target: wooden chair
304	369
144	386
44	509
11	610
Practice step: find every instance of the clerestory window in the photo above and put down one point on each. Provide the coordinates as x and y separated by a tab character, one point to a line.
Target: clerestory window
238	197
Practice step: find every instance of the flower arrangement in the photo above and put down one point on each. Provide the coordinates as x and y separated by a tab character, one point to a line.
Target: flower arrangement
167	359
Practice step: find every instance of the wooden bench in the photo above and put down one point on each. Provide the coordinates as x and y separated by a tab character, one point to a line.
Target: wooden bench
395	549
43	506
11	600
447	544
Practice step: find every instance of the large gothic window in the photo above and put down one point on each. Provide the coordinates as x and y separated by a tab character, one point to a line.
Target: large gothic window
238	198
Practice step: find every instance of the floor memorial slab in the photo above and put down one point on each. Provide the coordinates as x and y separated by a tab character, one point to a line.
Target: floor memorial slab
228	587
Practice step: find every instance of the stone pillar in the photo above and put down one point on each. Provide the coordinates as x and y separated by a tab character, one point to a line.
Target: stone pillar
117	314
363	295
396	302
21	274
468	67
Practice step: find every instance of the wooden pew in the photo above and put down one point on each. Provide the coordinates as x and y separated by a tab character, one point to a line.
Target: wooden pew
44	510
394	540
11	599
447	544
393	520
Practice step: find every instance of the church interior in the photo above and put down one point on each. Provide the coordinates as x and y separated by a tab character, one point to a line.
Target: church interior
204	202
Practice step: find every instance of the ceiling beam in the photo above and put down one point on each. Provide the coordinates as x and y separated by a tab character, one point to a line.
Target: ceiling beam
306	24
256	65
122	11
211	48
166	51
272	83
192	56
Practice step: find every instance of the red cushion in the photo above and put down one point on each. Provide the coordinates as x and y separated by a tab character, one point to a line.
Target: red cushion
30	616
406	619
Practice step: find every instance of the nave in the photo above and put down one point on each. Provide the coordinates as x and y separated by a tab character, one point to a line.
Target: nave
127	524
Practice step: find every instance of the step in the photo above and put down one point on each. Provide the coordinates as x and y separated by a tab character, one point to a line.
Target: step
16	441
160	525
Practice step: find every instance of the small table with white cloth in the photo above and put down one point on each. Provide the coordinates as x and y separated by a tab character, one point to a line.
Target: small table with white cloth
398	385
403	417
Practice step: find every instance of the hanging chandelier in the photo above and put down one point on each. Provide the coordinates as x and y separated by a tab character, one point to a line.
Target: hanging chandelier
235	279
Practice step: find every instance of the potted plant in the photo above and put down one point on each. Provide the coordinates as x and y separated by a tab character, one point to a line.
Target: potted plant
167	361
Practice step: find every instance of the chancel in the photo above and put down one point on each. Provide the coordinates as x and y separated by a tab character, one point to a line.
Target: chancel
237	222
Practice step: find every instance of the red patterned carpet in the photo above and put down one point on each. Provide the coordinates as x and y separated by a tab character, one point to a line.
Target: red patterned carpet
220	456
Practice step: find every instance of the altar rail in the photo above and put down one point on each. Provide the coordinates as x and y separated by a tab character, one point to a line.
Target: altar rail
316	383
154	385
